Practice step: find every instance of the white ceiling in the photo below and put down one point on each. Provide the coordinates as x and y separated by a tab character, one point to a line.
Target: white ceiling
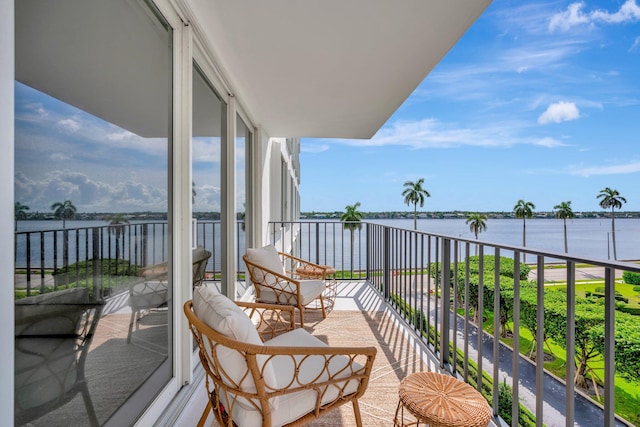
301	68
330	68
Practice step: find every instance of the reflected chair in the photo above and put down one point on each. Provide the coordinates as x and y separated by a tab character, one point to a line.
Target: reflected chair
53	333
266	268
290	379
153	291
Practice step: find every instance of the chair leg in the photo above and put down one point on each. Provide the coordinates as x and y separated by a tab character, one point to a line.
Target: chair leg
205	414
324	313
131	322
356	412
301	310
91	412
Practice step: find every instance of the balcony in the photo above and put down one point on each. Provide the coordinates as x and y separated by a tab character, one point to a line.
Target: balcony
391	287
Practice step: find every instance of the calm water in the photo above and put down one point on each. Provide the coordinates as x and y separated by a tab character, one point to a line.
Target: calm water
587	237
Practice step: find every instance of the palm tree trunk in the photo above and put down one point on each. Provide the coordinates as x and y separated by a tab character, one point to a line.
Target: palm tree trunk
566	246
524	239
352	231
415	216
613	233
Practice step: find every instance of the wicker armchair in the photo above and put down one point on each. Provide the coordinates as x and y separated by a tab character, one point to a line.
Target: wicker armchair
53	334
152	291
288	380
273	285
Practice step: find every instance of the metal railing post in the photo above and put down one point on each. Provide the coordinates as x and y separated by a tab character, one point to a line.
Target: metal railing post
387	263
144	243
446	305
95	258
609	345
318	242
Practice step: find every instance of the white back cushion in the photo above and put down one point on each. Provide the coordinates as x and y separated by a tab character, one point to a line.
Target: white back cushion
266	256
226	318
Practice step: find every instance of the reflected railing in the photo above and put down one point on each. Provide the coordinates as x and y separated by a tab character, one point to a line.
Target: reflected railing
442	285
92	323
105	257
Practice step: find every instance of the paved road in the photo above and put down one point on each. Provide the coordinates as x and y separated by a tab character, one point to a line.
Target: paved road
586	413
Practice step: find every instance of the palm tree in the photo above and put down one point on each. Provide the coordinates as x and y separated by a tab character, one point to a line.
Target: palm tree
564	212
193	192
20	212
524	210
611	199
352	220
117	222
64	211
414	194
477	224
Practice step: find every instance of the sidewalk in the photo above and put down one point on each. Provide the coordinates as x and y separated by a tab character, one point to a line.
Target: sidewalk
583	273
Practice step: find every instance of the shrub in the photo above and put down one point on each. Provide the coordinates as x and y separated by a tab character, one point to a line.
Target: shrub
631	278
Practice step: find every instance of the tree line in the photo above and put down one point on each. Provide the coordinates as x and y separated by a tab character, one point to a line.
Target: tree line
415	194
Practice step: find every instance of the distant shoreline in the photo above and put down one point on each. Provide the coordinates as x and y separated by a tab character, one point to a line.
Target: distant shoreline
464	214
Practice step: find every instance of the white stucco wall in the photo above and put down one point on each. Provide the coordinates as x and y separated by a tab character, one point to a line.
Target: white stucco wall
6	213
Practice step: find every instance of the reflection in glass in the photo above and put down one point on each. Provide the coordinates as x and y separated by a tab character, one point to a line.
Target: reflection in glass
209	128
243	139
92	137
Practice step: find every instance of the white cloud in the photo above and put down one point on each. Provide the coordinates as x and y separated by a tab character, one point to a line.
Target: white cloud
574	16
633	167
207	198
313	147
635	44
432	133
69	125
59	157
88	194
559	112
550	142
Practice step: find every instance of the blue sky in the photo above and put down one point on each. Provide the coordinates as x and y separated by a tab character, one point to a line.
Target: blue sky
538	101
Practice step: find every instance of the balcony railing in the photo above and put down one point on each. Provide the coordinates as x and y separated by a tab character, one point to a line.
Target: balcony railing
53	259
441	285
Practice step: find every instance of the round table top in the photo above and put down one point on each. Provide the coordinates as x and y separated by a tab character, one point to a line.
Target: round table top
443	401
311	271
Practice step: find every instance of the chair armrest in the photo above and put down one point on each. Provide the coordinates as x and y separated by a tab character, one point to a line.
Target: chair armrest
270	319
154	272
281	283
299	262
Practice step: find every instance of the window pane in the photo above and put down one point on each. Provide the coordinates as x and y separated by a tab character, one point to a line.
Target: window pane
209	123
243	138
92	142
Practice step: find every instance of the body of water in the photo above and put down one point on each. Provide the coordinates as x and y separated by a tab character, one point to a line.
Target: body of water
587	237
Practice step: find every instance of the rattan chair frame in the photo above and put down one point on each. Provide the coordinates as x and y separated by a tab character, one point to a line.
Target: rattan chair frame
286	288
221	389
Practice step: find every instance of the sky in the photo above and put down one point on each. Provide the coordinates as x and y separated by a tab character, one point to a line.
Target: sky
539	100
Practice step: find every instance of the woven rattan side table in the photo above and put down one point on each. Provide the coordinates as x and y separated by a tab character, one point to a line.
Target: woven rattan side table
310	272
440	401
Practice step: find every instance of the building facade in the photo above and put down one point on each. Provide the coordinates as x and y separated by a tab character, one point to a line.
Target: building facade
177	107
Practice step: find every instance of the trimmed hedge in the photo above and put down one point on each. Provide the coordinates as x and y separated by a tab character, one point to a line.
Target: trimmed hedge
631	278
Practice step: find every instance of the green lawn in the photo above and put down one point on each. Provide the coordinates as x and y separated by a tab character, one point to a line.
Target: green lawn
627	393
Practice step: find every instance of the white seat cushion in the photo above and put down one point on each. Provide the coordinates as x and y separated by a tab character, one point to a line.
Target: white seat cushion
292	406
226	318
309	291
